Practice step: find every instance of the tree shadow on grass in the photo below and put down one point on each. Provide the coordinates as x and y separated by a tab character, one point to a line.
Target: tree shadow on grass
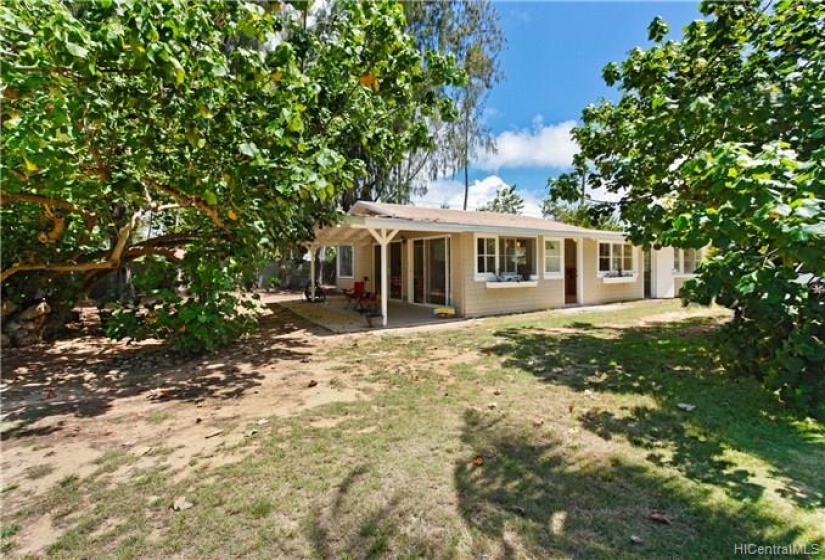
534	498
344	529
675	363
84	378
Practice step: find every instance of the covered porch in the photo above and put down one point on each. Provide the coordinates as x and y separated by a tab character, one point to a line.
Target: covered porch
339	316
405	267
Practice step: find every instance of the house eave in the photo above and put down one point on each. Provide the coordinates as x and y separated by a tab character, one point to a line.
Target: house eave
378	222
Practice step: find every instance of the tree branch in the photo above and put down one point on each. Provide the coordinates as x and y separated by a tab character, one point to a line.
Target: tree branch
113	261
90	217
188	200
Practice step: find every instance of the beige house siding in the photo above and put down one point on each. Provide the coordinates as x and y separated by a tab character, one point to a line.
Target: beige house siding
361	265
596	291
477	299
678	282
473	298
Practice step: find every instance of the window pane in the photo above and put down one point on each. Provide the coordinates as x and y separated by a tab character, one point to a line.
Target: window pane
345	261
690	261
604	250
529	267
677	265
552	256
604	264
628	257
485	253
616	257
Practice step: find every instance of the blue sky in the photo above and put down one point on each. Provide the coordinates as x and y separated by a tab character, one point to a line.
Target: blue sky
552	63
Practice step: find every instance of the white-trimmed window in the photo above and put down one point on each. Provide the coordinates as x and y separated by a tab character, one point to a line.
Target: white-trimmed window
685	261
552	257
345	261
506	258
486	255
616	259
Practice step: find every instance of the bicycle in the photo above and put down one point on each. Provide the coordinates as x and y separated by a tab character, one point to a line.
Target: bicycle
320	295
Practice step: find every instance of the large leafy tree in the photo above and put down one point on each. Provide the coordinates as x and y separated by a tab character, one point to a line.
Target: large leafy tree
583	212
469	32
141	129
580	214
718	140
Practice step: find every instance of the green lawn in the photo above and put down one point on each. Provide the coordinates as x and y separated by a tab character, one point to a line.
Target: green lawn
535	436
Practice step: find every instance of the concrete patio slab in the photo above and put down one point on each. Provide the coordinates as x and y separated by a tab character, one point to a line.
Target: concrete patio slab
335	316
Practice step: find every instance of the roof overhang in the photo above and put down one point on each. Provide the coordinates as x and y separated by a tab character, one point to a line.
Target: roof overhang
353	229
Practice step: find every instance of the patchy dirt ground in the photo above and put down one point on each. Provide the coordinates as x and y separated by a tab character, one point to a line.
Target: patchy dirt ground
73	408
372	444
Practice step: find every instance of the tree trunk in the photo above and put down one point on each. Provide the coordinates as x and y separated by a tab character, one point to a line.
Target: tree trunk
466	163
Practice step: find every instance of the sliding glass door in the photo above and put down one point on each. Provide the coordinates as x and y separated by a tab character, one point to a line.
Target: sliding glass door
431	271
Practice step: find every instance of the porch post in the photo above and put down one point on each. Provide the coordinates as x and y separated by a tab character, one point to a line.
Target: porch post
312	247
580	269
383	238
384	278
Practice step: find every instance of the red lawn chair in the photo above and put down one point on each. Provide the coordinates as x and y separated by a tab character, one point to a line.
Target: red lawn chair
354	295
368	301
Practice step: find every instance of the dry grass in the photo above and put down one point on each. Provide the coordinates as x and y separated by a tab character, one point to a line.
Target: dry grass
536	436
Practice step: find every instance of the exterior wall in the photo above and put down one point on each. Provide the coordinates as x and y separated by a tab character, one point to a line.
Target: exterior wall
679	281
668	282
361	264
596	291
473	298
477	299
662	273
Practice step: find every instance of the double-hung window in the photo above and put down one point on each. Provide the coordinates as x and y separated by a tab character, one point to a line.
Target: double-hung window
517	257
552	257
345	254
486	255
616	259
506	258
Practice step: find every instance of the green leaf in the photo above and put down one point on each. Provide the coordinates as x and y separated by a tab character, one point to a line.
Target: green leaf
180	73
249	149
210	198
76	50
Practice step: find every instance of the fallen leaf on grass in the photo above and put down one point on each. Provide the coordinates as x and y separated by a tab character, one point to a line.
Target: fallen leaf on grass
312	383
686	407
181	503
478	460
636	539
660	517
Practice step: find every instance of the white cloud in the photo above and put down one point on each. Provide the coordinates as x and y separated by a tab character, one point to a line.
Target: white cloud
451	192
539	146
